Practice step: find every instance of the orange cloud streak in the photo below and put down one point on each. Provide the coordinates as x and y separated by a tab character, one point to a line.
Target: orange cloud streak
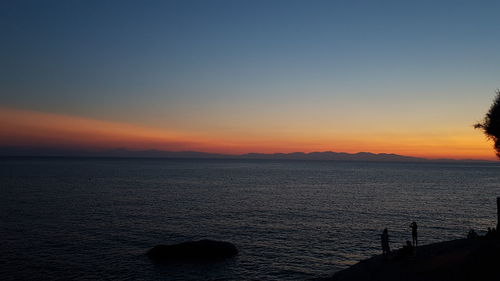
31	128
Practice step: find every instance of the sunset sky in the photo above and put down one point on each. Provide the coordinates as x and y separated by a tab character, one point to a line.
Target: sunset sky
237	76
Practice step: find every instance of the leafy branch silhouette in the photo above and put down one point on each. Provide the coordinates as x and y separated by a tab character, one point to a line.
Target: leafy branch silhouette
491	123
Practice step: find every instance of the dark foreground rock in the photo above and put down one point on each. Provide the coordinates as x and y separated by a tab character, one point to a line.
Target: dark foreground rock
458	260
192	251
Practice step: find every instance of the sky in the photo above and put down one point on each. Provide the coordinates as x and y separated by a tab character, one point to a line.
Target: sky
236	76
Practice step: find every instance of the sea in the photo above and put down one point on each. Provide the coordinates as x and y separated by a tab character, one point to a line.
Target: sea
95	218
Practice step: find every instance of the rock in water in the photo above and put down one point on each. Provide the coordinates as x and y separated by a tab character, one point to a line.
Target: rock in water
203	250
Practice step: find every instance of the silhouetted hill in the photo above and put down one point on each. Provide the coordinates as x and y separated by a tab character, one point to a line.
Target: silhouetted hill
329	155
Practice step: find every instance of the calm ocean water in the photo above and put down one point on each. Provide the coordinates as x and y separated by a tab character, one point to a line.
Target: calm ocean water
87	219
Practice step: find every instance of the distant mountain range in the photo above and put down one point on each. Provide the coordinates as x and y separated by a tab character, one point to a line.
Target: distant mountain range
329	155
125	153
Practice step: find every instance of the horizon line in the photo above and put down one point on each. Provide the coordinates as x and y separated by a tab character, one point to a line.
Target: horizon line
31	151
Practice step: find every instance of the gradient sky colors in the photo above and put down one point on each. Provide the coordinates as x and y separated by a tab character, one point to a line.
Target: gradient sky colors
407	77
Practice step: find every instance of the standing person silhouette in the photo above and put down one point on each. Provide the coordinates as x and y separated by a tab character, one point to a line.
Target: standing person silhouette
414	237
385	243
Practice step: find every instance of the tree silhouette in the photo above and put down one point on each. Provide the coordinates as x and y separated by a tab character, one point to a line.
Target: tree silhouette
491	123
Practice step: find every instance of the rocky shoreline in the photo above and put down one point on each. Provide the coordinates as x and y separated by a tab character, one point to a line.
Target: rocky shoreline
474	259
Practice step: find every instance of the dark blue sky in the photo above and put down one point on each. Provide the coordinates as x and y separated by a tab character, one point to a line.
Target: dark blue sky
197	65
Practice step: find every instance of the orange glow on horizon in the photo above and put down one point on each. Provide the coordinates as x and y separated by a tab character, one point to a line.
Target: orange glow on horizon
40	129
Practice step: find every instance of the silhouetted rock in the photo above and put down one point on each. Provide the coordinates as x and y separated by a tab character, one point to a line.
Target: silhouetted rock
203	250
